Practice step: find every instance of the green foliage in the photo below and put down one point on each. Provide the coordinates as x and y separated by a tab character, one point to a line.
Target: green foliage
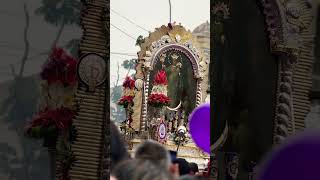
117	113
21	102
116	93
18	107
129	64
60	11
139	40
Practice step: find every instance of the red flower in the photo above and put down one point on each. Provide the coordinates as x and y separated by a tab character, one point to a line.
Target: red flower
160	78
60	118
128	83
61	68
125	101
158	100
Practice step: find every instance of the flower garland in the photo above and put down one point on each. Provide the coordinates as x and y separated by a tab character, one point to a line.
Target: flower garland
128	83
127	101
128	93
56	110
158	96
53	122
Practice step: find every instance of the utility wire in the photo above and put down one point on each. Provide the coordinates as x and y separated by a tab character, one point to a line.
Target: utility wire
125	54
123	32
170	11
129	20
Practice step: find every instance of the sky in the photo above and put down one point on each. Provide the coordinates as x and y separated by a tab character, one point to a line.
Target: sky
149	14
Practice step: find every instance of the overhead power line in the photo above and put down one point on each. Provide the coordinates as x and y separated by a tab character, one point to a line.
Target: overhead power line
169	11
125	54
124	32
129	20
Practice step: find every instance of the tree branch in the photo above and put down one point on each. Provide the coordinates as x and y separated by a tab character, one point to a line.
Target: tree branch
117	75
26	41
13	71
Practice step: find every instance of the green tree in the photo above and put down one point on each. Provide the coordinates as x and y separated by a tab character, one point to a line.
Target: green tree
129	65
60	13
117	112
15	110
139	40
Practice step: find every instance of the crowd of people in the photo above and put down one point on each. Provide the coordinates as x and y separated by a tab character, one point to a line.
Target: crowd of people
151	161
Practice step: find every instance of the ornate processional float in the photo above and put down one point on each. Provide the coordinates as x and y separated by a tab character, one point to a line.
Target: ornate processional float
171	80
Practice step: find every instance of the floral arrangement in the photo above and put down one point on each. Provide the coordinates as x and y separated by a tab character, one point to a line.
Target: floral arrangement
128	83
158	96
61	68
53	122
125	101
160	78
58	88
49	122
158	100
128	92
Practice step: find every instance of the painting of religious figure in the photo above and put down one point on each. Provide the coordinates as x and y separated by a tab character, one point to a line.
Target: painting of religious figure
182	85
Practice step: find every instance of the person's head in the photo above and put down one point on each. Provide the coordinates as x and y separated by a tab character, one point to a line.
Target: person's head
118	148
154	152
193	168
184	168
139	169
